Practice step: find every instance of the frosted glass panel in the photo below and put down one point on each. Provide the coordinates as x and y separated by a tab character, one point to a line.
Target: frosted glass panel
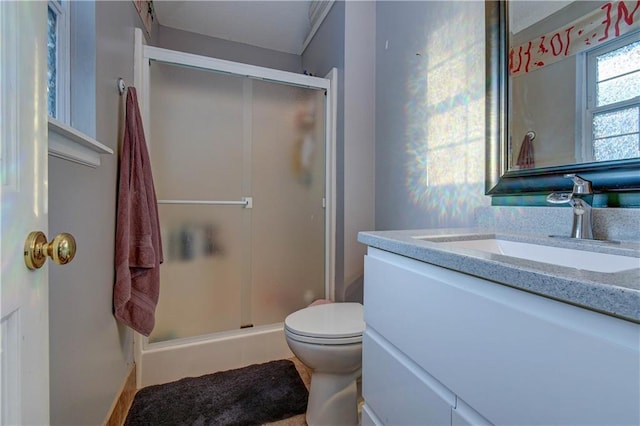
616	123
216	137
288	186
196	146
196	133
616	134
618	74
619	89
200	280
52	62
618	62
616	148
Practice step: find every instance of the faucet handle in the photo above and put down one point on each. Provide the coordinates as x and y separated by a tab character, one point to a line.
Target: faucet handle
580	186
559	197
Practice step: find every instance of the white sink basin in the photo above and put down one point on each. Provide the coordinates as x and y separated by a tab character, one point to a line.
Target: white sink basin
572	258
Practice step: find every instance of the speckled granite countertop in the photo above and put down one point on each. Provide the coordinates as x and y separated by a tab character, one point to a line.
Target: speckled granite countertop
616	294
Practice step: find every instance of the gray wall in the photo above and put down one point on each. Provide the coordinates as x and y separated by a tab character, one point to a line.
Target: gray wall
90	354
534	99
324	52
184	41
423	104
359	139
430	87
345	40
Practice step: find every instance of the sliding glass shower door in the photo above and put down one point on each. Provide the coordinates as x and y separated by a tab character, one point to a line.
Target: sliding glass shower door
239	172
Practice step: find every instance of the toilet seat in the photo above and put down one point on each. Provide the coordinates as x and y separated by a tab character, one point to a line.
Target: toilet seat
328	324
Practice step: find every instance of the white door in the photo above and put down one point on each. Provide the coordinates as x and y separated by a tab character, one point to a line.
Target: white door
24	293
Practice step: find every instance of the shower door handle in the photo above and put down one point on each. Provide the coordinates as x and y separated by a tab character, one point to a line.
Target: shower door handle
246	202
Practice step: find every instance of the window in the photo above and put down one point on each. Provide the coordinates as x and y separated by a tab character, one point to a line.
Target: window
613	99
58	60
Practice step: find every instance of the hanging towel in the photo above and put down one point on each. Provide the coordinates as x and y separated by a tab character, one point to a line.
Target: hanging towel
138	248
525	156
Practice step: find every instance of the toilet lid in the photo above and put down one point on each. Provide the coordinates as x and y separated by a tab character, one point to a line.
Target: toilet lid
331	320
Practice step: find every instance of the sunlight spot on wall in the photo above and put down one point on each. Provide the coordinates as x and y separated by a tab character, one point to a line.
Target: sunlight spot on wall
445	118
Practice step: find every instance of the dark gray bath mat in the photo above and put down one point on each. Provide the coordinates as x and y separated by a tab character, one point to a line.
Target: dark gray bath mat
251	395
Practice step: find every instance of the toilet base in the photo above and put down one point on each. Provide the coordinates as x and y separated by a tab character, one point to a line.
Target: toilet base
333	399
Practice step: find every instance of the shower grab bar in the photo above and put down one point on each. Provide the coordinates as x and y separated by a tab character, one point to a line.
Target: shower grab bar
247	202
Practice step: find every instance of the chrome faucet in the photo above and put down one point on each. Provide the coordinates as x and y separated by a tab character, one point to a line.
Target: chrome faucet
580	199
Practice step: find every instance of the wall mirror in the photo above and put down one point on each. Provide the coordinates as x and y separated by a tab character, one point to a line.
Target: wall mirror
563	95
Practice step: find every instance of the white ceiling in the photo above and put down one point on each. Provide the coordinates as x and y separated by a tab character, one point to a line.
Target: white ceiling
270	24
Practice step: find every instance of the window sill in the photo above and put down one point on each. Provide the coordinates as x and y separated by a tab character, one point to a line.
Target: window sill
69	144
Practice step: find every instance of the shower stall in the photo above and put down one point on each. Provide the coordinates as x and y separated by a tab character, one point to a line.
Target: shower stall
242	164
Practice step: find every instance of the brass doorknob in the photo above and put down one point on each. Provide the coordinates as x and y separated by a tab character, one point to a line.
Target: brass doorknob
61	249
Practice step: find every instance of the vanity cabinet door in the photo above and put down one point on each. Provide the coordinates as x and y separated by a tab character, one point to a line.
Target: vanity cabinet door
515	357
368	418
463	415
397	390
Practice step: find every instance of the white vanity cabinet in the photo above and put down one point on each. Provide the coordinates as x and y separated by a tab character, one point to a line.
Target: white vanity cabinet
442	347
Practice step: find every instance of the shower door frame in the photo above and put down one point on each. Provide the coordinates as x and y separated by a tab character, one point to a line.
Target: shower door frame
144	54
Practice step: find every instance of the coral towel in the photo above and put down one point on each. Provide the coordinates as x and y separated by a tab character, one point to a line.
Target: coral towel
138	249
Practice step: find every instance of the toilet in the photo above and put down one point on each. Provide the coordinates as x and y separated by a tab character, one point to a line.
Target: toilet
327	338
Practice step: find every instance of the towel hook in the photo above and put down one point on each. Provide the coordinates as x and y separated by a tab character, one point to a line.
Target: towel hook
121	86
531	135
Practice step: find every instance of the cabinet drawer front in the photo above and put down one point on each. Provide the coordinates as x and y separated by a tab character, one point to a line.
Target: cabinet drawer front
514	357
463	415
368	418
398	391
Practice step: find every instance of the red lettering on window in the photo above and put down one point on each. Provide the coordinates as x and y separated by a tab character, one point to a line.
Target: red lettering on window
607	21
512	61
568	43
519	60
541	47
624	15
556	44
528	55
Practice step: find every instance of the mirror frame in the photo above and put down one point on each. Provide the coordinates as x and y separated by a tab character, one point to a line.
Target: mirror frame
606	177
